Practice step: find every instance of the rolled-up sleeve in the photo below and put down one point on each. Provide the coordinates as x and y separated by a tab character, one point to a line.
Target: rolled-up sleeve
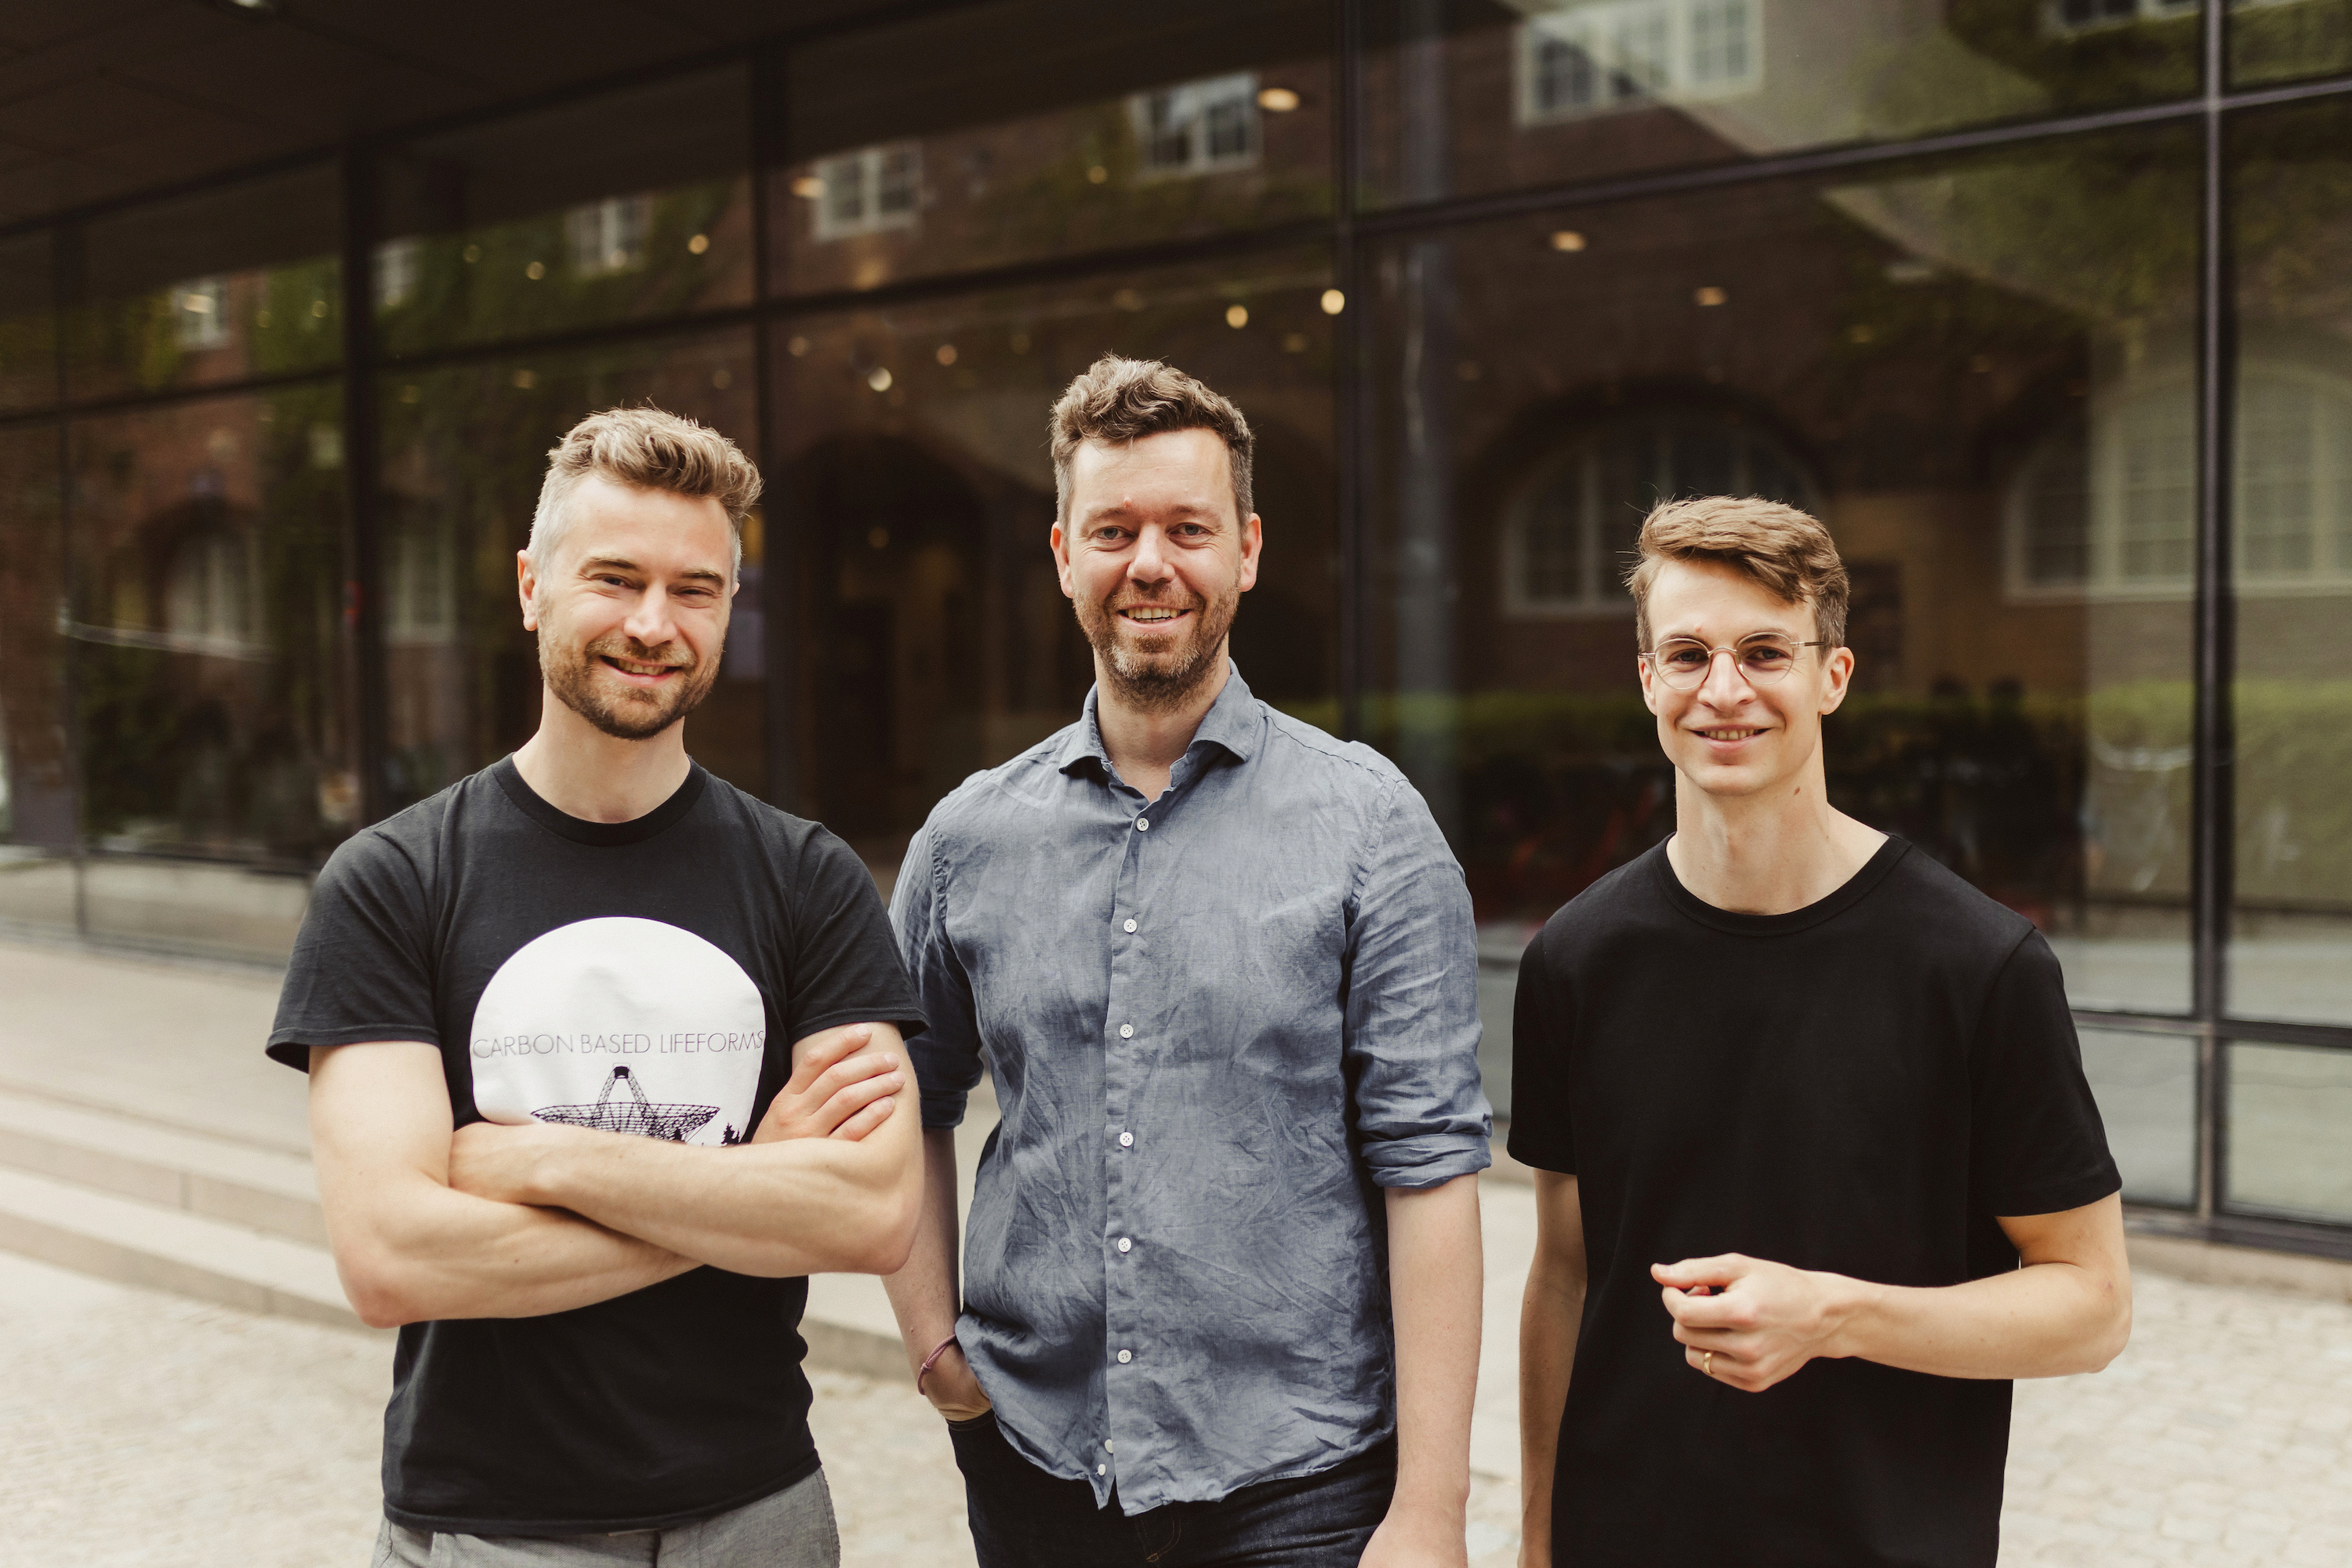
946	1052
1411	1030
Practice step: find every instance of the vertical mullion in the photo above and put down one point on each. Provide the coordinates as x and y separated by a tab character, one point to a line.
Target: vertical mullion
363	557
2211	824
65	297
1351	345
768	81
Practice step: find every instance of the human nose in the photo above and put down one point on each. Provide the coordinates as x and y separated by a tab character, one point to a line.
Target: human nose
1726	685
651	619
1150	561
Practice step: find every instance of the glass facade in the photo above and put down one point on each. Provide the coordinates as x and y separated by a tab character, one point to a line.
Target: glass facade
2040	304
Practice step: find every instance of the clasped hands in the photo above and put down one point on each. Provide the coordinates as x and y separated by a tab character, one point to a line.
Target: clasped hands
1759	1321
839	1088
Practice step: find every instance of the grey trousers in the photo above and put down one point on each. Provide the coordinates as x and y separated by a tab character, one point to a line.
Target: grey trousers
790	1528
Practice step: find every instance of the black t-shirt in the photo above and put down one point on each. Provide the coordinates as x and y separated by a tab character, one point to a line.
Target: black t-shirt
1860	1085
646	977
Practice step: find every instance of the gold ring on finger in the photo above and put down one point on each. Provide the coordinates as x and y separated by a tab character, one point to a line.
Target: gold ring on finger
1706	1364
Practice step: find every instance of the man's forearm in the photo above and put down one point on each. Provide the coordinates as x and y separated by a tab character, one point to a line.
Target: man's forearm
925	1295
1551	1314
439	1254
803	1206
2046	1320
1436	1279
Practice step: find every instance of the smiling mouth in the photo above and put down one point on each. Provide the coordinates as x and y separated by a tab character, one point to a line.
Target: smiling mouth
639	669
1153	615
1731	731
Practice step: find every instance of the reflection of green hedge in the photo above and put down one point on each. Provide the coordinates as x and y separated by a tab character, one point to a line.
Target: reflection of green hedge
2046	793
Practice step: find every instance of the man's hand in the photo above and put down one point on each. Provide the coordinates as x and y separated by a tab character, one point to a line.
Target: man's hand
839	1088
1759	1321
493	1160
1418	1537
952	1389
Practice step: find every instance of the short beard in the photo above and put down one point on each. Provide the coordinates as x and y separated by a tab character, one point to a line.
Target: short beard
569	674
1159	683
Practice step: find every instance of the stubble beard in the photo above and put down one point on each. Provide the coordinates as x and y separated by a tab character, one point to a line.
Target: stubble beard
632	714
1159	681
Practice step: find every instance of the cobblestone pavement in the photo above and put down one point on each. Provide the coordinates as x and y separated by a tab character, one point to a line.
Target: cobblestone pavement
140	1429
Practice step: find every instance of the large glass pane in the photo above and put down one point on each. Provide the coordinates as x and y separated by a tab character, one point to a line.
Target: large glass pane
1979	373
237	282
932	637
622	208
28	324
1470	95
37	805
2291	194
2289	1110
1002	133
2284	40
465	451
2147	1089
207	550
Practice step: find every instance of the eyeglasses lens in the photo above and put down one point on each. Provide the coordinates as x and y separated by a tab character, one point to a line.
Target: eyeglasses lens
1683	662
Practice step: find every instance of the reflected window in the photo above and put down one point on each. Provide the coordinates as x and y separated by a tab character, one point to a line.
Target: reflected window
199	314
2295	477
868	191
1199	127
421	586
1589	58
399	264
2090	15
208	598
1569	535
608	237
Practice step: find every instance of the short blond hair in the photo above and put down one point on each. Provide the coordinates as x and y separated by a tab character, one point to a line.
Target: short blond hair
649	450
1117	400
1785	551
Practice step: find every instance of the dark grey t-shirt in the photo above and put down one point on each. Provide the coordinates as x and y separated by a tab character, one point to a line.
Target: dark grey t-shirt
643	977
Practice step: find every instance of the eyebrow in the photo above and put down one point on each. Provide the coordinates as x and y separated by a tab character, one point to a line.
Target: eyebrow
622	562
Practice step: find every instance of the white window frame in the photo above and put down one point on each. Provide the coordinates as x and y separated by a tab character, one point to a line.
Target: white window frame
199	314
2154	422
608	237
1638	53
875	174
1189	110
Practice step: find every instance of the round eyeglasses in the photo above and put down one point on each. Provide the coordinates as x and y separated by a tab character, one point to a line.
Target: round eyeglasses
1762	657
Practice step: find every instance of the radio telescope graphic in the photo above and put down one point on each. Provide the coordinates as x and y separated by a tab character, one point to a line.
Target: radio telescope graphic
632	1112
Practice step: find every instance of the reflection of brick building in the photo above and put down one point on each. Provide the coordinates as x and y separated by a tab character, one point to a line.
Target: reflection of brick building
1487	284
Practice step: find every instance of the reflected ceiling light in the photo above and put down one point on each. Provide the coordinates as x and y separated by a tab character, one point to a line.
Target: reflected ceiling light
1237	316
472	253
1097	174
319	309
1567	239
1710	295
698	244
525	380
1277	100
535	272
1334	302
947	355
798	347
808	187
879	378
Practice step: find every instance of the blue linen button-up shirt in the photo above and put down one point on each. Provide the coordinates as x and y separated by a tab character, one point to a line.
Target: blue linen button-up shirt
1217	1022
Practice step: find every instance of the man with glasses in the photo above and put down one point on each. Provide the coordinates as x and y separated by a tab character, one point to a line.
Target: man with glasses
1817	1169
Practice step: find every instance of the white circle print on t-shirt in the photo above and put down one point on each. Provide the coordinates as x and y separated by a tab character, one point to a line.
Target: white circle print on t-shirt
623	1025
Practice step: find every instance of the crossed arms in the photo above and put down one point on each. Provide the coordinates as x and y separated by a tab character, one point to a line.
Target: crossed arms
430	1221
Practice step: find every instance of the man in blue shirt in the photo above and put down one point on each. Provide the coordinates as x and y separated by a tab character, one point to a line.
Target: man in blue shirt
1224	1250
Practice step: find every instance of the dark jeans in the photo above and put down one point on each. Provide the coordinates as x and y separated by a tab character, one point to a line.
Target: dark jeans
1024	1518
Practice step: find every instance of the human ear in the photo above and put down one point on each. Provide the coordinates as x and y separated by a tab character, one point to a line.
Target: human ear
1058	541
1253	544
1837	670
527	590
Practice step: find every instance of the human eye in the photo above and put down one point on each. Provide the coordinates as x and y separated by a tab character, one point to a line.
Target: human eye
1767	654
1680	656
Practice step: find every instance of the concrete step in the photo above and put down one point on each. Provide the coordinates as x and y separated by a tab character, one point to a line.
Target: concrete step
224	1179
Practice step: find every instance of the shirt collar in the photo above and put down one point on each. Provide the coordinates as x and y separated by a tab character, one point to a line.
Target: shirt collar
1234	721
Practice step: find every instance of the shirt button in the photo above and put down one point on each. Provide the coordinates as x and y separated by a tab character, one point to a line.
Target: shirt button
1109	1446
1125	1245
1130	926
1126	1031
1127	1140
1143	824
1102	1469
1126	1356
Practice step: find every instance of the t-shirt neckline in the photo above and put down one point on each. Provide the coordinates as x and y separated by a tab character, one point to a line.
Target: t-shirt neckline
1855	888
600	835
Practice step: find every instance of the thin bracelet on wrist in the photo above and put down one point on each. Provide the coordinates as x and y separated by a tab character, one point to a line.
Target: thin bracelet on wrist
931	1360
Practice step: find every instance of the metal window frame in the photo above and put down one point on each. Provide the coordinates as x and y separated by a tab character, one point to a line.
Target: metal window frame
1347	236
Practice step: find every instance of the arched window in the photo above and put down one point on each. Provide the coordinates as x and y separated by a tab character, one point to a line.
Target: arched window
210	603
1568	533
